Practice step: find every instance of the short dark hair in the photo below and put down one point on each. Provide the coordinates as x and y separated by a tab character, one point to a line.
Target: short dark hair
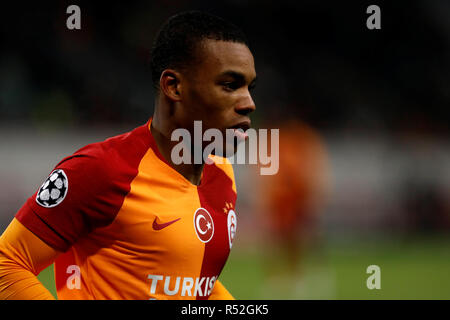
175	44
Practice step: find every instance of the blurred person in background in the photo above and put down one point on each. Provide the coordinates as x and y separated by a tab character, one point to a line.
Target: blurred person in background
291	201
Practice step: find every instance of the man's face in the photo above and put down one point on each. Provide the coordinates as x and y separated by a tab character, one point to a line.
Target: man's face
217	89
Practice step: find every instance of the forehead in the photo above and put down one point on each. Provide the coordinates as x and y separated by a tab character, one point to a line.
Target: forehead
217	56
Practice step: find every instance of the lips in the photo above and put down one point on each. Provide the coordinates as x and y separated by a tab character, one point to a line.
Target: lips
240	129
244	125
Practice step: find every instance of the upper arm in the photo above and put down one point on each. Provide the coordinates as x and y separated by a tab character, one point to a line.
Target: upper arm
78	196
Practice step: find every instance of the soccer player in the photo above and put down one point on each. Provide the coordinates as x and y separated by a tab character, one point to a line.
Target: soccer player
121	220
292	201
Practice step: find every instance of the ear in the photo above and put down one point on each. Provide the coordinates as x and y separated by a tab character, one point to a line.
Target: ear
170	84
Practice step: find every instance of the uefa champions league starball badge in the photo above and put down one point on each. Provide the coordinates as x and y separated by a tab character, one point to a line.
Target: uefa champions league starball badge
53	190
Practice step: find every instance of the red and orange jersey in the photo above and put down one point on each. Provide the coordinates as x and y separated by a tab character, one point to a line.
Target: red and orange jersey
130	226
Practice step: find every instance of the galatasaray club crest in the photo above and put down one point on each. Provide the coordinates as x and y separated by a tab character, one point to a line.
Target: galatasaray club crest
231	226
203	225
231	222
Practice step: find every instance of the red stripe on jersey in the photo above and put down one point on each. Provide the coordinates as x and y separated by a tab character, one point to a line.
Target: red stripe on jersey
213	197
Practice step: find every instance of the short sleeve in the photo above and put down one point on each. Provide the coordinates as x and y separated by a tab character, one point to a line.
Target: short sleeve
79	195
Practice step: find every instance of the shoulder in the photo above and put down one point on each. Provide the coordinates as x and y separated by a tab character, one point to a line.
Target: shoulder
115	154
84	191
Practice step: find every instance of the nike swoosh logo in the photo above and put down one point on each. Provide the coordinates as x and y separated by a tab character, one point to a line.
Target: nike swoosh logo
159	226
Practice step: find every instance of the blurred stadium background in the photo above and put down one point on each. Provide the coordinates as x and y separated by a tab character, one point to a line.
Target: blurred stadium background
374	106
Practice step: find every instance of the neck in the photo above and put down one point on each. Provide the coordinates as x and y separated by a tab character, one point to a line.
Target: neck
161	129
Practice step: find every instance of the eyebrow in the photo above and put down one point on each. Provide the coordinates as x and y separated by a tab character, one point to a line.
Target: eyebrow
236	75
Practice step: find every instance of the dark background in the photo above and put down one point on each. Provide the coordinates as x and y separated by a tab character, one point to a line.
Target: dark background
315	60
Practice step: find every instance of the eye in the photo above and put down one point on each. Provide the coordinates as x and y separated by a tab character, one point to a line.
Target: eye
230	86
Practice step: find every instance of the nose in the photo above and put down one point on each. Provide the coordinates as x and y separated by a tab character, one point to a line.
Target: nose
246	105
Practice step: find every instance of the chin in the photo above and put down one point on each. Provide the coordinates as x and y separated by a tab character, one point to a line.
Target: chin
231	149
227	151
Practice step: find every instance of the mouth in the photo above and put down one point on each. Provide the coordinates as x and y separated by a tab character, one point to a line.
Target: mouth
239	130
244	125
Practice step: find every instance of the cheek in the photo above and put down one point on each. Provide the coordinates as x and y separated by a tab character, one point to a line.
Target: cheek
194	100
209	103
193	106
